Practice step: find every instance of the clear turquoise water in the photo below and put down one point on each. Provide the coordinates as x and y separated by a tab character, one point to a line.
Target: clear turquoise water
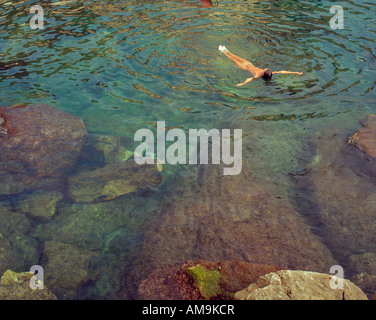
159	60
122	66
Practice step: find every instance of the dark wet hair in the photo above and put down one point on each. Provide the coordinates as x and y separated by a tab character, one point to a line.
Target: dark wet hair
267	74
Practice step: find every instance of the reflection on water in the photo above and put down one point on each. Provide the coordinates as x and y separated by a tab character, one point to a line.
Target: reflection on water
130	63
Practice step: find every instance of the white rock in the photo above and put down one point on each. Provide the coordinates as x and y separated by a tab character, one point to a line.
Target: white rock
299	285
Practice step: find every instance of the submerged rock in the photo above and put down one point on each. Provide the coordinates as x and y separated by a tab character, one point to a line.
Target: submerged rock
13	222
105	148
365	138
16	286
112	229
299	285
66	268
339	194
40	204
39	145
200	280
18	250
112	181
7	258
362	268
216	217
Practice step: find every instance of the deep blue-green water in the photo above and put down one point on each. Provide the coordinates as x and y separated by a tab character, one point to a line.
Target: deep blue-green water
123	65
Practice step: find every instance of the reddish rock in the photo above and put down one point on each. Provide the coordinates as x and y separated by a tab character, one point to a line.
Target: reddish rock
172	282
39	145
365	138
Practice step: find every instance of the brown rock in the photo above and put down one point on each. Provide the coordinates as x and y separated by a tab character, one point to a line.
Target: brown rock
39	144
299	285
365	138
172	282
233	217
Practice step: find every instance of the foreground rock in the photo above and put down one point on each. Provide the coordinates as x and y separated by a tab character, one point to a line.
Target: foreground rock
299	285
39	145
200	280
365	138
112	181
16	286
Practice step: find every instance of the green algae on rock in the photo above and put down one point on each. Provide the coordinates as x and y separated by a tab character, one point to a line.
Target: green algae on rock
206	280
16	286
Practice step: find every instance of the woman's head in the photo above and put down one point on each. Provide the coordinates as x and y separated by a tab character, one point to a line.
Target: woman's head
267	74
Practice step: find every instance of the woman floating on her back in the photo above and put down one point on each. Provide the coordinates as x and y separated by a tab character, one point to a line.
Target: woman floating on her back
246	65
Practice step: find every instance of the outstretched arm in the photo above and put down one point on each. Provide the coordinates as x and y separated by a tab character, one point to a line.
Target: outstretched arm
245	82
287	72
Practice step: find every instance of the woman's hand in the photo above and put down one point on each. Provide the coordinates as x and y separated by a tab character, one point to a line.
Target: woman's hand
245	82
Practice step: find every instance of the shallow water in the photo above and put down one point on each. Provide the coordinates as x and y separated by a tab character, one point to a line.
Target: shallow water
122	66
